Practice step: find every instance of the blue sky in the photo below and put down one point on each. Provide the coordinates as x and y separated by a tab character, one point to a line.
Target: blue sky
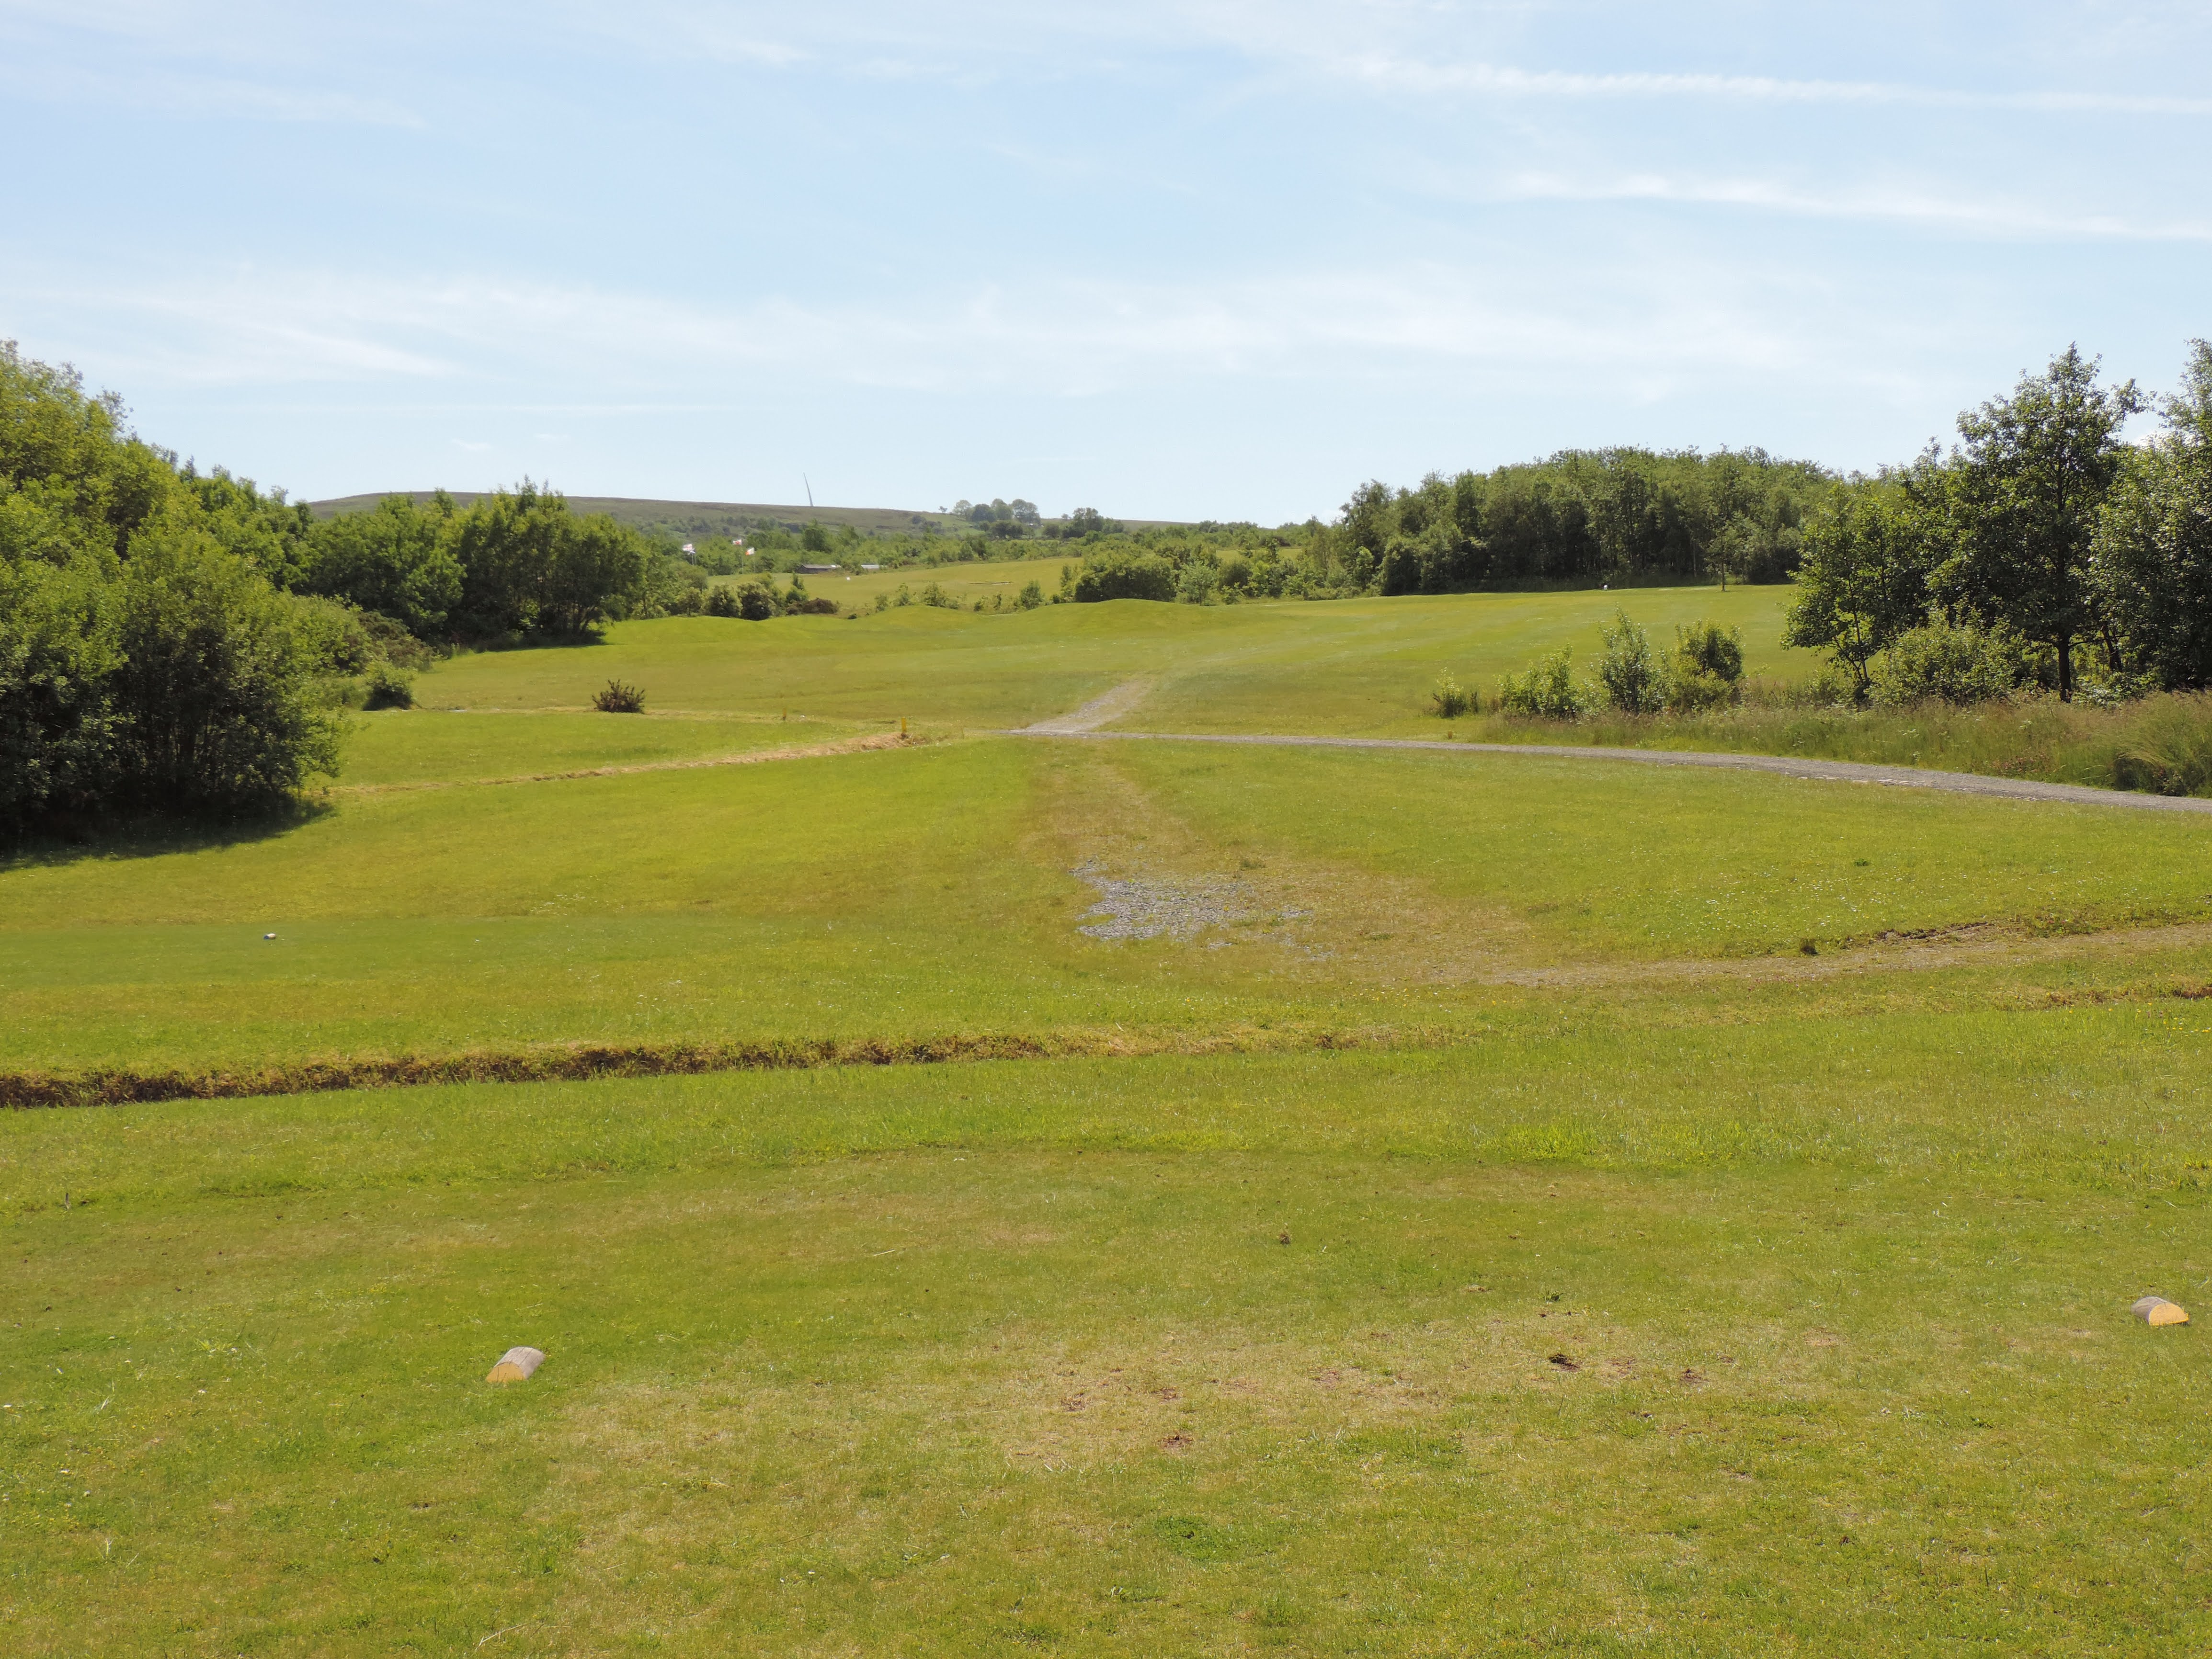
1190	260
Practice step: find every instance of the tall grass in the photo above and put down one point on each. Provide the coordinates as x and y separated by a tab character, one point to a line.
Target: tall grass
2159	746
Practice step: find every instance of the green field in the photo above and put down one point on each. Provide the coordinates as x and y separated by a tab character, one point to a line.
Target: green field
1506	1204
1357	666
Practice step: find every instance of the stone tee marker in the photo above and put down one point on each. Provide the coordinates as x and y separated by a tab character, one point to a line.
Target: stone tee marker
2157	1310
516	1364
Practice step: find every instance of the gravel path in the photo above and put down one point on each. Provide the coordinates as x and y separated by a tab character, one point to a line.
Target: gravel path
1902	777
1108	706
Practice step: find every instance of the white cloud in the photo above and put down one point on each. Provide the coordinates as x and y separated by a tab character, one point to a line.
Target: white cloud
1399	74
1904	203
547	347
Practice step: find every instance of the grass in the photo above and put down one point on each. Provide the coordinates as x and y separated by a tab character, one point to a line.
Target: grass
932	891
398	747
964	582
1359	667
1480	1226
998	1359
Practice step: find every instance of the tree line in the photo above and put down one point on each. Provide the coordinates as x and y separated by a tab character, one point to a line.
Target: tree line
179	642
2040	550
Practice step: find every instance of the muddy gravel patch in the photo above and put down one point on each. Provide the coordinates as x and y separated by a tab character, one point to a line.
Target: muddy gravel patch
1170	907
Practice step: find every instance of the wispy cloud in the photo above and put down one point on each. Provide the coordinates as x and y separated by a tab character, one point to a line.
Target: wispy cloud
205	97
1399	74
1065	337
1899	204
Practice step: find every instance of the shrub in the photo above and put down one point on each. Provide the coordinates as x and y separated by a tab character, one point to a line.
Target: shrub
1031	596
1942	663
1706	648
1125	576
388	688
1449	699
619	699
1705	670
1547	691
219	705
756	600
1198	583
1632	677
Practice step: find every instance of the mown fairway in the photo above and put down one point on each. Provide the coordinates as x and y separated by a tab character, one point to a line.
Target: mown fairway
1475	1223
1362	666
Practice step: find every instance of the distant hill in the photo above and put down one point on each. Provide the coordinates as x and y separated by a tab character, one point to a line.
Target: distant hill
710	518
688	518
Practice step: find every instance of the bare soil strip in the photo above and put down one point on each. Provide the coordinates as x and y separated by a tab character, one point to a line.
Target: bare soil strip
574	1062
1829	771
1108	706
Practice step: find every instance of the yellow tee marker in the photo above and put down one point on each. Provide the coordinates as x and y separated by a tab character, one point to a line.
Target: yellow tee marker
2157	1310
515	1365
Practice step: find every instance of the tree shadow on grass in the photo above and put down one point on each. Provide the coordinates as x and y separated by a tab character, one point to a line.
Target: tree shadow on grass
89	838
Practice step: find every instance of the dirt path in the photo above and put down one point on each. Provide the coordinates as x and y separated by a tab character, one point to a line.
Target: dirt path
1110	706
753	758
1080	724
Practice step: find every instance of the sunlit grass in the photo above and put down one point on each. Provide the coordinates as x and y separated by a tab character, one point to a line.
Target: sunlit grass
1627	1280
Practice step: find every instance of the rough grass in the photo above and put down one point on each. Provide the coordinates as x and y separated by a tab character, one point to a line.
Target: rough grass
2163	744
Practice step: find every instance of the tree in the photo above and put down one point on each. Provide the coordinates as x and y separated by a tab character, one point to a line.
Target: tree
2152	561
1632	676
146	662
1863	580
214	696
393	560
2029	481
527	564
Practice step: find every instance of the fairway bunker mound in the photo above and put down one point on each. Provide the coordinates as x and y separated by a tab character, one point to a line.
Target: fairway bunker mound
1146	907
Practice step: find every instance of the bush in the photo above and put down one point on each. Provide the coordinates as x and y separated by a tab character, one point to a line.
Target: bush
1942	663
1548	691
1706	648
388	688
1030	598
1125	576
57	653
1632	677
619	699
756	600
1198	583
1449	700
216	696
1705	670
147	663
